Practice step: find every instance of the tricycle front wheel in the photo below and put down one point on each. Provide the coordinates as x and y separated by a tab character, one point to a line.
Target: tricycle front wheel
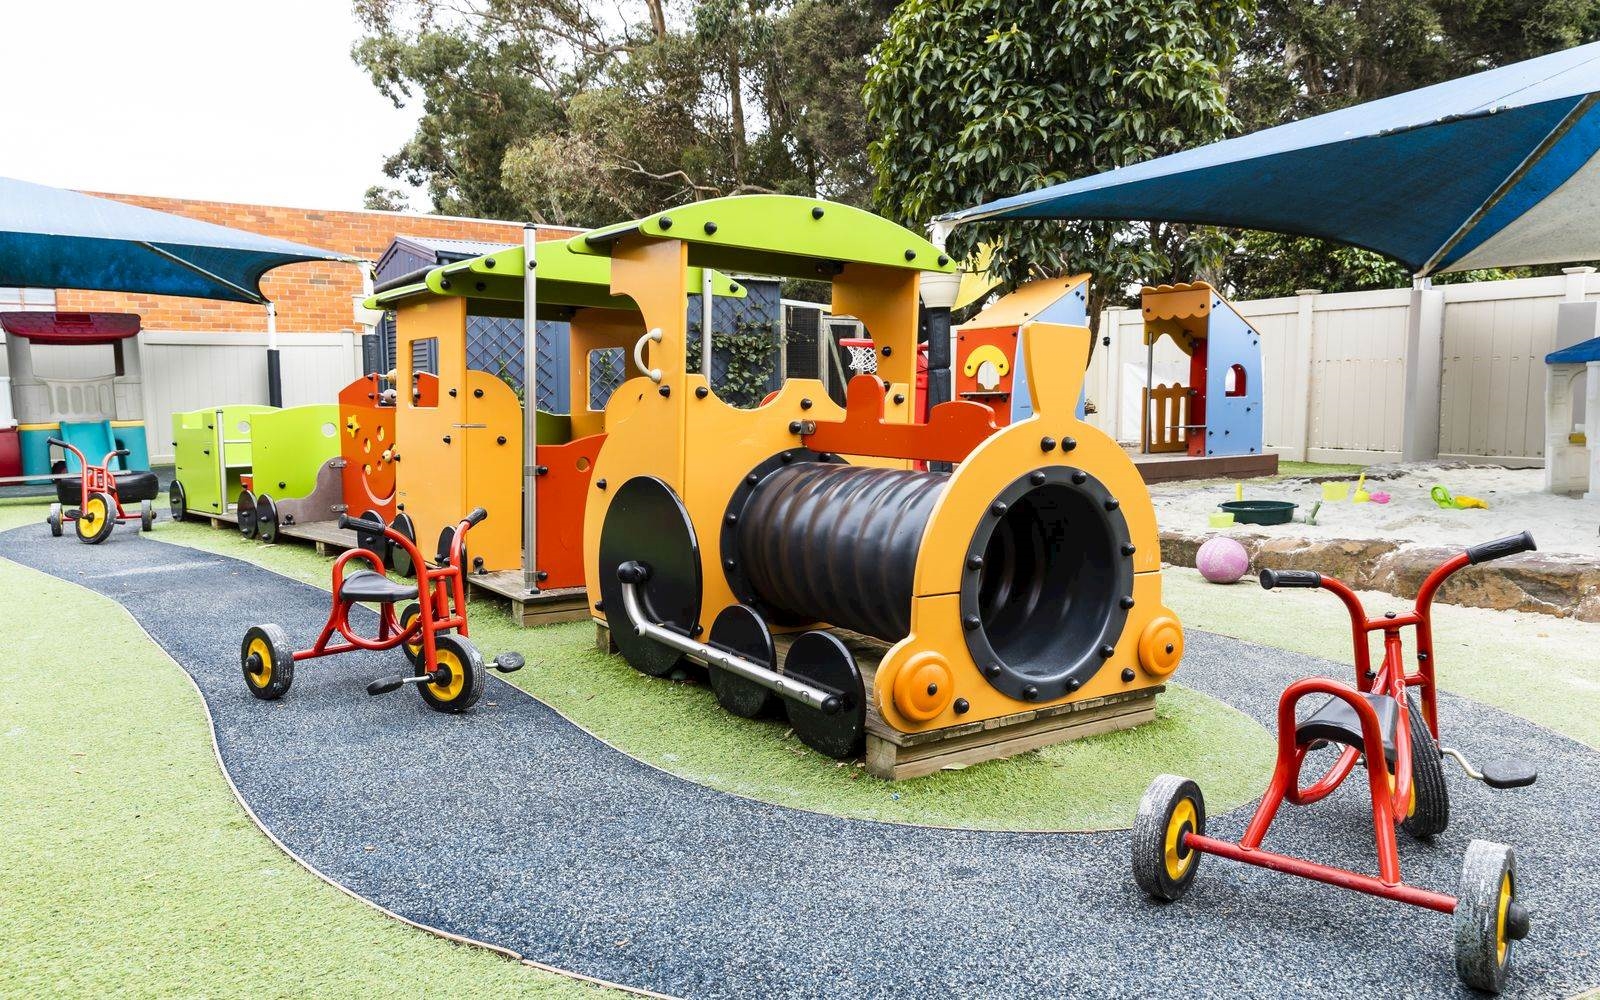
267	660
465	675
1489	919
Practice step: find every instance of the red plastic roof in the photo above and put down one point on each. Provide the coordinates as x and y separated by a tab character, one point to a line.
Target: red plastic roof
60	328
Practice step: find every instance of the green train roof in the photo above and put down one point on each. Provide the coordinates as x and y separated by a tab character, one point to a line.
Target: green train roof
777	235
492	283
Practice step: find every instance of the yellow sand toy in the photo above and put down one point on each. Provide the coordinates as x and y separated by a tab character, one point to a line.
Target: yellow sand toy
1442	497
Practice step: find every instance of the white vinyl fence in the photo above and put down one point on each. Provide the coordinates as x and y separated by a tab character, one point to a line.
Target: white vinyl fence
1335	369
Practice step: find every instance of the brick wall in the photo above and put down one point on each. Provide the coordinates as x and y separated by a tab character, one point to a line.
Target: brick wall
311	298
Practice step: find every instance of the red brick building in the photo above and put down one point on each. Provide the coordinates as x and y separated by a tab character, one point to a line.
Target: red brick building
310	298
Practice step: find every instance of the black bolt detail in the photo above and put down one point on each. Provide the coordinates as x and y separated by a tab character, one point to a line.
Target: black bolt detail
992	670
1068	443
1127	604
447	439
540	575
452	392
666	222
1107	651
1170	647
710	227
816	211
1037	478
885	385
1079	477
1127	675
444	282
541	470
1422	656
732	518
962	706
488	262
665	391
500	440
697	629
997	508
601	484
1047	444
477	394
599	605
899	398
971	623
701	392
786	457
480	286
887	350
911	255
933	688
1030	692
805	404
943	260
729	563
795	427
1128	550
752	479
1073	684
1112	503
975	563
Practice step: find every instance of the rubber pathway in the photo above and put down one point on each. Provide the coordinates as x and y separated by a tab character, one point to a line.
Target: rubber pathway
512	826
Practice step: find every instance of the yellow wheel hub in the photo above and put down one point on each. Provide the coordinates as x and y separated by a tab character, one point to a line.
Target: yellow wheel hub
1500	919
263	654
449	690
414	648
92	516
1177	857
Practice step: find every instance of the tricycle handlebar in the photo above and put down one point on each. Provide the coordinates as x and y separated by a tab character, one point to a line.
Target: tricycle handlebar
1271	578
57	442
361	524
1501	547
476	516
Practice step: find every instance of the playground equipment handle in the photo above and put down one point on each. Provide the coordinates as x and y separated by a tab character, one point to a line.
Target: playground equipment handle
57	442
1271	578
475	516
361	524
1501	547
638	353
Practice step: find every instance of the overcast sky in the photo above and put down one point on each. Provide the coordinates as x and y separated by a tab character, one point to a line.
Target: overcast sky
232	100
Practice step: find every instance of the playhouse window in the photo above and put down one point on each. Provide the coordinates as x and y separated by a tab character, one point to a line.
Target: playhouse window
608	369
1233	381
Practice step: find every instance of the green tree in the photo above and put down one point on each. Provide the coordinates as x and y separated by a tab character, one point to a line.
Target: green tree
978	99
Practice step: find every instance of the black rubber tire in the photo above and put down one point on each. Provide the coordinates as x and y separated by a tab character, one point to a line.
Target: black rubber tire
245	508
1158	811
94	525
279	661
147	516
266	519
1431	815
1483	953
454	651
177	501
53	519
399	558
407	615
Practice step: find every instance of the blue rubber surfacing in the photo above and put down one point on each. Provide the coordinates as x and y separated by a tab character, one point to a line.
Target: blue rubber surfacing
511	826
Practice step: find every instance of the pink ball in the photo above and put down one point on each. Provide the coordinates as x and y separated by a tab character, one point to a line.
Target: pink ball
1222	560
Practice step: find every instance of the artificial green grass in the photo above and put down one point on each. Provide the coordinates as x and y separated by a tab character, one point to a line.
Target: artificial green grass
1087	784
132	871
1288	469
1535	666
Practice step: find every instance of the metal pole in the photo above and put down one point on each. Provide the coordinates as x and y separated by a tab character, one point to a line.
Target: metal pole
274	365
707	305
530	411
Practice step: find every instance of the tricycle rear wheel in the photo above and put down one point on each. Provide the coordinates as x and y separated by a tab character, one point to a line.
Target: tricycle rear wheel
53	519
1430	812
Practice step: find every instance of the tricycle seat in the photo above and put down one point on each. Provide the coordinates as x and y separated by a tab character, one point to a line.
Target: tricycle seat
374	588
1337	722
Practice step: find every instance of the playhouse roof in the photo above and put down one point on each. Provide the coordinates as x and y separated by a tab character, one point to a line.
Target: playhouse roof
67	328
1577	354
1028	303
492	283
1496	169
780	235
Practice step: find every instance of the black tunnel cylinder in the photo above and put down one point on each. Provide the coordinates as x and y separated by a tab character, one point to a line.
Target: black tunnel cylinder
836	543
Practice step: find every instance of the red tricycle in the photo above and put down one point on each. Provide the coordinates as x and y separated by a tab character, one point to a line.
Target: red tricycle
1377	720
94	503
447	668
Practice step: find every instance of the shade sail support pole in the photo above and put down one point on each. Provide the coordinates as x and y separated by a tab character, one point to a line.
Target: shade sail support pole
530	410
274	359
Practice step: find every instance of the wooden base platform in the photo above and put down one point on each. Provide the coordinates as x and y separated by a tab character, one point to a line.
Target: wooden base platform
893	755
544	608
1170	467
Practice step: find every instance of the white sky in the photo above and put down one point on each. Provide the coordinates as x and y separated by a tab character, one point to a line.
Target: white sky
230	100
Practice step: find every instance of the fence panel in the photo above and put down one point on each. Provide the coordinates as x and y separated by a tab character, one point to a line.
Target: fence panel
1491	392
1358	376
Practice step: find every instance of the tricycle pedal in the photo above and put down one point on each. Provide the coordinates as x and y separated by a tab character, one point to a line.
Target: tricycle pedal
507	662
1509	772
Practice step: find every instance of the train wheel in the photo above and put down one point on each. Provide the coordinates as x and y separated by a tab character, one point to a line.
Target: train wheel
820	658
1163	865
646	523
461	689
267	660
53	519
177	501
266	519
413	651
1489	920
96	519
401	559
246	509
739	630
375	542
1430	796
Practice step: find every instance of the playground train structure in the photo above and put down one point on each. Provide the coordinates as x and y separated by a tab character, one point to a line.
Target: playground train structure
800	555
